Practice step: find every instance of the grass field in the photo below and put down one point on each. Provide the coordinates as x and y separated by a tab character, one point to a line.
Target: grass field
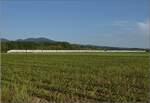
75	77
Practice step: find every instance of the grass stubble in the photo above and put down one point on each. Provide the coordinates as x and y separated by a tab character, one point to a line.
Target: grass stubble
74	77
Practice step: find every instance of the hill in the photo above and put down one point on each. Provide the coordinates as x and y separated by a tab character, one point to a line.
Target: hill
48	44
41	39
3	40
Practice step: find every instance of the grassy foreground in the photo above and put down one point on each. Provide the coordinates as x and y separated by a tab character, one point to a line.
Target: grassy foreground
75	77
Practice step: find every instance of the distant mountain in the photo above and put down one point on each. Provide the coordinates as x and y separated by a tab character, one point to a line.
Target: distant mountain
3	40
41	39
37	43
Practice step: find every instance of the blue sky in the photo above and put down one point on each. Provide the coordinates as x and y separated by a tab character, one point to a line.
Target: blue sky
122	23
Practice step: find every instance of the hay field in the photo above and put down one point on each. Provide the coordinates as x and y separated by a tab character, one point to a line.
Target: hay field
74	77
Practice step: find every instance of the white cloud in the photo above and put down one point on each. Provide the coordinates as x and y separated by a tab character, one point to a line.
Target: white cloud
144	27
120	23
124	25
131	27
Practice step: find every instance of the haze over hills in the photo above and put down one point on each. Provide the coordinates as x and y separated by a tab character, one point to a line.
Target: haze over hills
4	40
41	39
48	44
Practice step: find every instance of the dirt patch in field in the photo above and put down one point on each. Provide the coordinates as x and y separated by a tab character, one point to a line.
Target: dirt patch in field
37	100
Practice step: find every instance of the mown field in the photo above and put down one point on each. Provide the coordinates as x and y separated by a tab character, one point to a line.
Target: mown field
74	77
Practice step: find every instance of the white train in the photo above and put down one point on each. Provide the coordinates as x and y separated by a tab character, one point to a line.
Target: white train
54	51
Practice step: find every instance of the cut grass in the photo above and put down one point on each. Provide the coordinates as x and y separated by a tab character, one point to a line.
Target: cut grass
75	77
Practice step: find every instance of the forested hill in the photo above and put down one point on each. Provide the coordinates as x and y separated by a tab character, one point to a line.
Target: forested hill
41	43
47	44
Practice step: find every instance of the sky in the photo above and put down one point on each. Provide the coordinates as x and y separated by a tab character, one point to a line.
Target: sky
118	23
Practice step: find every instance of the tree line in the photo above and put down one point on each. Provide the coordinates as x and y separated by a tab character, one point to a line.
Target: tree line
24	45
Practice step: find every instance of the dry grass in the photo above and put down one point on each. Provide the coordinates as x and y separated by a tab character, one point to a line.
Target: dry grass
75	77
